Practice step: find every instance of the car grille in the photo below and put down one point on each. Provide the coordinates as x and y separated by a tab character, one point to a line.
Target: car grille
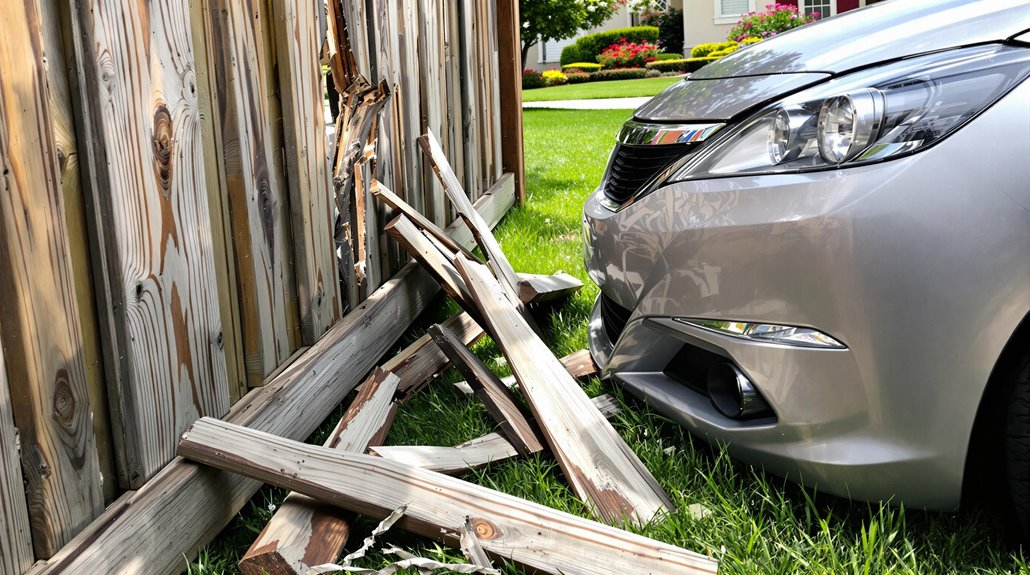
613	317
632	166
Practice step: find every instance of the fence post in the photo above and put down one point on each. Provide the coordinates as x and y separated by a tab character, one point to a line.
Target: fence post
509	53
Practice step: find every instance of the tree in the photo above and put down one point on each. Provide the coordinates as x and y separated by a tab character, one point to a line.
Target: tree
544	20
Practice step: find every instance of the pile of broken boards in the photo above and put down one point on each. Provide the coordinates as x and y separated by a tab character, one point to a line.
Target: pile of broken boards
415	486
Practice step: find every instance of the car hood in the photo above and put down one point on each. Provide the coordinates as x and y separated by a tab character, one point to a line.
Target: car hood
815	52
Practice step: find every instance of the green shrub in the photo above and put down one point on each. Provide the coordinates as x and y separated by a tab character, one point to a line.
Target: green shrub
702	50
582	66
682	66
669	56
570	54
532	79
670	26
620	74
554	77
591	45
575	77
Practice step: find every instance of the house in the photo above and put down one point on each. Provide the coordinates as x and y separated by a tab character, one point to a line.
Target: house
547	55
711	20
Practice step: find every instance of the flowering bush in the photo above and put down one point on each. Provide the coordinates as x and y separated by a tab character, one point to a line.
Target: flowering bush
582	67
703	50
555	77
577	77
775	19
749	41
532	79
626	54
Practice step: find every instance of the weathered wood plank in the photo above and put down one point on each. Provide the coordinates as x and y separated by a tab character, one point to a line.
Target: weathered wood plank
303	533
61	103
159	303
256	188
509	57
602	470
490	448
297	45
433	94
423	250
491	249
41	333
510	528
471	547
385	195
536	288
423	359
15	532
205	16
579	365
185	506
498	399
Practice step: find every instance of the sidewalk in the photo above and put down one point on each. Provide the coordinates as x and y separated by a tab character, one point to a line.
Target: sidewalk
598	104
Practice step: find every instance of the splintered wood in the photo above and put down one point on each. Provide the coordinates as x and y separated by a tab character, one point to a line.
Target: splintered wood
508	528
601	468
303	532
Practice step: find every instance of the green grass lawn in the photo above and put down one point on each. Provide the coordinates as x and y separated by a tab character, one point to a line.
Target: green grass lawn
751	522
595	90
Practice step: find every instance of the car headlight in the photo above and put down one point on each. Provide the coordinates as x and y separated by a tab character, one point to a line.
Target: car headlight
864	117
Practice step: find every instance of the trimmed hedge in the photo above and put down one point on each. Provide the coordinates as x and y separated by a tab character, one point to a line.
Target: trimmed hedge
574	77
591	45
621	74
582	66
570	54
683	65
670	56
702	50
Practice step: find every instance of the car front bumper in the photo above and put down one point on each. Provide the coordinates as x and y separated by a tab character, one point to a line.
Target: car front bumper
920	278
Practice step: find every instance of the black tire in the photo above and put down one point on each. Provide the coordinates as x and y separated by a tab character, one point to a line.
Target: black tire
1017	446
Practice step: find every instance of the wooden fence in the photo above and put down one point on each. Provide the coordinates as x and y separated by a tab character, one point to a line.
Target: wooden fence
167	213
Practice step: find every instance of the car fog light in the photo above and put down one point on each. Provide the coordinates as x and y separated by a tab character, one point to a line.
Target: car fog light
848	124
768	333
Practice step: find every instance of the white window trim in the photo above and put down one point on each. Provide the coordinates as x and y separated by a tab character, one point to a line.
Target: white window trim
721	18
833	7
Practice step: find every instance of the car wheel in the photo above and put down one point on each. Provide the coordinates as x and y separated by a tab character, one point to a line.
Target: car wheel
1017	446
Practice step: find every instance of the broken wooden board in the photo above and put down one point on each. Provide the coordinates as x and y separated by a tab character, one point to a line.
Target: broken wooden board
383	194
602	470
194	503
537	288
304	533
484	237
471	547
421	360
427	254
490	448
498	399
579	365
15	533
509	528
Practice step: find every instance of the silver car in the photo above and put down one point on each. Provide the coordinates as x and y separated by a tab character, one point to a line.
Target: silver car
816	251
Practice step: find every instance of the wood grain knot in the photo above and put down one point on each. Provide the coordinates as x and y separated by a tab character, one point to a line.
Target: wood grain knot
64	400
163	142
484	529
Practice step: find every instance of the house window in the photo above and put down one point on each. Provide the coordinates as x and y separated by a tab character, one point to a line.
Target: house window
825	8
729	11
550	51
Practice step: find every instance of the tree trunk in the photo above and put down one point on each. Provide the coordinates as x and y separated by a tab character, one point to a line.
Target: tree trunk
525	52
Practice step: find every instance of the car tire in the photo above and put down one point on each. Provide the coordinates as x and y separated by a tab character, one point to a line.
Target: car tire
1017	447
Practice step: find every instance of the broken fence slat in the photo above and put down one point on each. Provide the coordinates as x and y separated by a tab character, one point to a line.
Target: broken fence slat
490	448
527	533
579	365
303	533
602	470
537	288
498	399
427	254
386	196
497	261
